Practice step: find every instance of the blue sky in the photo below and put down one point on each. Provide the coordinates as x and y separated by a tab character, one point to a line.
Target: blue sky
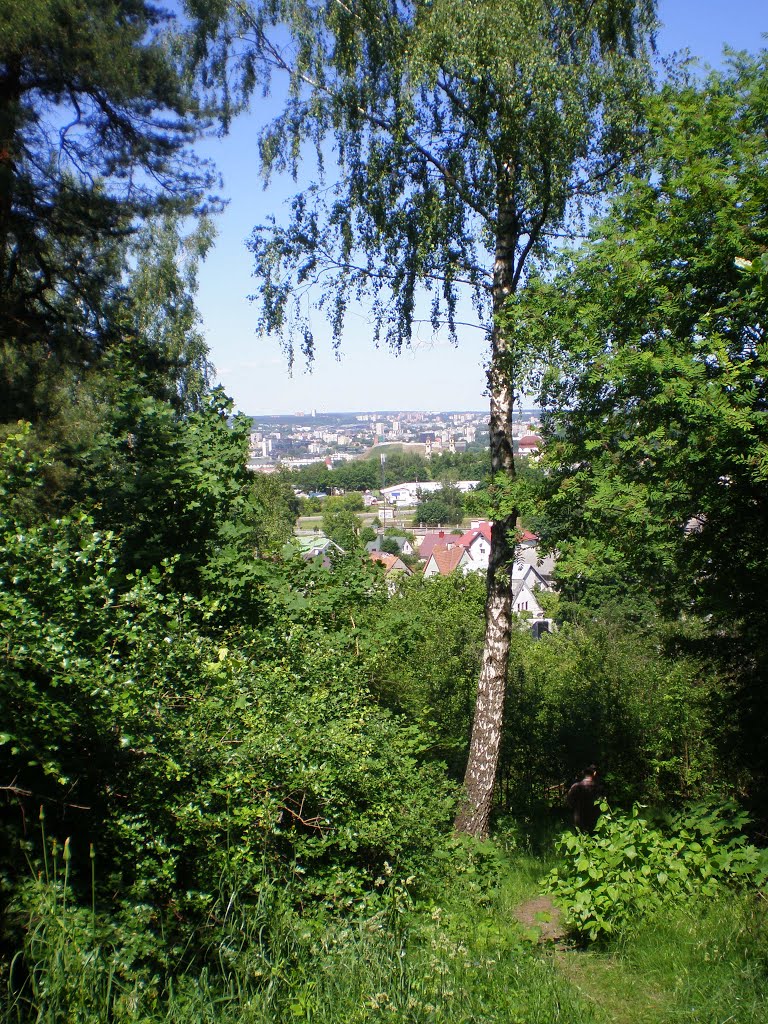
433	374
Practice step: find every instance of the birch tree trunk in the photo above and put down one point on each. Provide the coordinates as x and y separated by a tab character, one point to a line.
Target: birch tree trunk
480	777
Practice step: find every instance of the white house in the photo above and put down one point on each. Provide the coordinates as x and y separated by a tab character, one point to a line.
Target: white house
524	600
408	493
530	575
477	543
527	554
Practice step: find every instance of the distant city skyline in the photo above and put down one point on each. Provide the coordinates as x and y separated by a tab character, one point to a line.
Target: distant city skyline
293	440
430	376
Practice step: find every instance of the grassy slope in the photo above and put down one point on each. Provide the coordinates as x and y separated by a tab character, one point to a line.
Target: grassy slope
459	957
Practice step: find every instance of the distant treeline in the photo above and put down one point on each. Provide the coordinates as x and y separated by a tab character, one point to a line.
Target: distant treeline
371	473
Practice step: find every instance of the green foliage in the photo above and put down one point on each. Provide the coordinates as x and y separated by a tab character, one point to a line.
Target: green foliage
353	475
442	508
700	961
97	114
466	137
468	465
204	752
757	270
21	475
159	317
634	867
521	87
353	501
174	486
455	960
656	422
98	422
476	502
655	391
367	534
422	655
390	546
629	695
233	756
275	511
341	524
366	474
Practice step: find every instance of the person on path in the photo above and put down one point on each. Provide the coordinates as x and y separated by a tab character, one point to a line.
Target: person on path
582	799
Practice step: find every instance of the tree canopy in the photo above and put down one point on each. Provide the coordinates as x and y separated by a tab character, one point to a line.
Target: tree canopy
98	112
656	405
656	425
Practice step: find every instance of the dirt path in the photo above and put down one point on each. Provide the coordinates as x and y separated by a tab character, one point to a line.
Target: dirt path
542	914
616	994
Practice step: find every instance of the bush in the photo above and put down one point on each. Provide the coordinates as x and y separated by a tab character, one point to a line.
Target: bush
631	698
631	867
201	756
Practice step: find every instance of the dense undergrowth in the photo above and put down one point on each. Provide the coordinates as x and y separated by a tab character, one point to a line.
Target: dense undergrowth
457	954
637	864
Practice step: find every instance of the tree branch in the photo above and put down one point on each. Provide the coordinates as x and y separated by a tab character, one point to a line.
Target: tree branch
277	60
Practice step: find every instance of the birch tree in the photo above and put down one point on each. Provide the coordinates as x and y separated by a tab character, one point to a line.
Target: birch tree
466	136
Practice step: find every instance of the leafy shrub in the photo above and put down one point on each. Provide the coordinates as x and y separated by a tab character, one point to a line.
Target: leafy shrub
422	657
631	866
204	757
606	690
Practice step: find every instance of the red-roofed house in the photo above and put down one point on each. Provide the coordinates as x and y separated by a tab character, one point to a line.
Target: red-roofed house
431	540
530	445
393	567
444	560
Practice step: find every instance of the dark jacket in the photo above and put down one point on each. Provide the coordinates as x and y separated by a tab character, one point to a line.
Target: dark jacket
582	799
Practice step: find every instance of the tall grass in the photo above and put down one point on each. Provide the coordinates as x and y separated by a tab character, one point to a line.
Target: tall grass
707	961
351	975
459	959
